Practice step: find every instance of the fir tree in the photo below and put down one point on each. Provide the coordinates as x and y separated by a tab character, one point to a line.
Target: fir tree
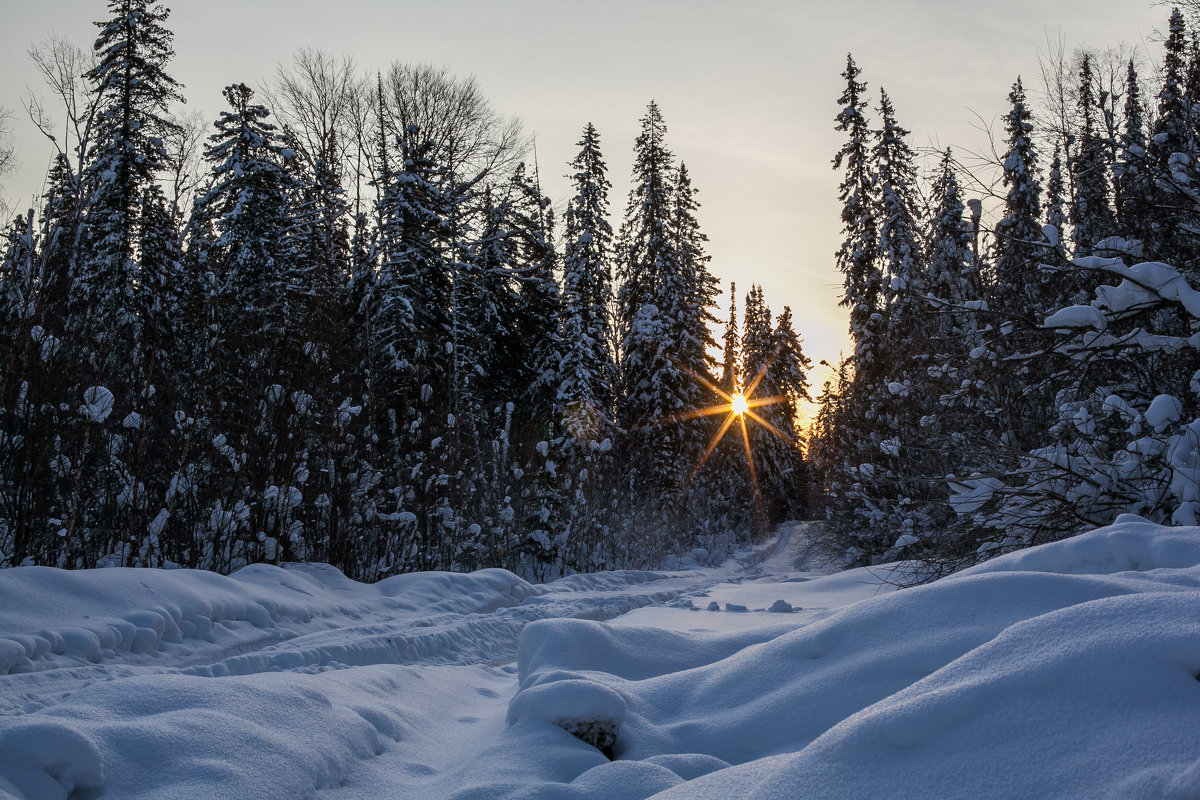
1170	150
952	273
1056	203
1019	248
255	318
1132	183
644	246
588	367
134	48
1171	125
1091	211
857	257
663	315
731	379
899	246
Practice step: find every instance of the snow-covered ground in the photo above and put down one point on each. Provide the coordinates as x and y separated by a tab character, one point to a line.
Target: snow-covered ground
1065	671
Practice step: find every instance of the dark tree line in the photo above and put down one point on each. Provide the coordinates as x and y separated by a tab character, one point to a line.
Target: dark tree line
1024	374
357	334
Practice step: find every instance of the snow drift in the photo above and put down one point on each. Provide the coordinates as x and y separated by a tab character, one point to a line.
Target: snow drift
1069	670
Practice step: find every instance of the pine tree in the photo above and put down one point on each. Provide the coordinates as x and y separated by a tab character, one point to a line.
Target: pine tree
787	475
663	317
255	318
1056	202
127	151
1019	249
33	480
1091	211
1132	183
1171	133
541	301
1170	151
650	375
899	245
953	274
857	256
731	378
588	366
644	245
696	295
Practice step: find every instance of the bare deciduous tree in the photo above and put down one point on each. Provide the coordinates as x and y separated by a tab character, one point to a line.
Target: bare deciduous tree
8	160
453	114
62	65
185	162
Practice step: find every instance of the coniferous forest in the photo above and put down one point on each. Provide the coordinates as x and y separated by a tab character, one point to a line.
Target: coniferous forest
342	323
1017	380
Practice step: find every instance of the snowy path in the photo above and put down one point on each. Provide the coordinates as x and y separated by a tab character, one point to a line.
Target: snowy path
460	624
76	639
1068	670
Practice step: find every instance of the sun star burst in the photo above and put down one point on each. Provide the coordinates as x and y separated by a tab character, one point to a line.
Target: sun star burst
737	407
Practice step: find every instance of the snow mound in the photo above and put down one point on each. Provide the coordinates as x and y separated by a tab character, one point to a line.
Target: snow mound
1068	670
183	736
1133	544
52	761
1065	670
53	618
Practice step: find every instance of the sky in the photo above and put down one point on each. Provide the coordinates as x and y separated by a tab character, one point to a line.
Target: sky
748	90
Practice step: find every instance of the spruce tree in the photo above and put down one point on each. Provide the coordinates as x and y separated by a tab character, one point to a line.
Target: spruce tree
899	243
650	375
588	368
1056	201
255	318
1170	151
731	378
1132	182
1019	248
663	316
134	48
857	257
1091	210
952	273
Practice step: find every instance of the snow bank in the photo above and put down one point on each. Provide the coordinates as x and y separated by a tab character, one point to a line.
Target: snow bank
1066	670
50	618
272	735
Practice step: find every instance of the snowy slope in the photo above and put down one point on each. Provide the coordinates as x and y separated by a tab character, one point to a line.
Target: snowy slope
1065	671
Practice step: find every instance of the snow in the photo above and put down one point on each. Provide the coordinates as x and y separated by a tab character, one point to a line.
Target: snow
1051	234
1067	670
1164	410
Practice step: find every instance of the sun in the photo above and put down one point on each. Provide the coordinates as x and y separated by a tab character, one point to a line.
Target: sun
738	403
738	406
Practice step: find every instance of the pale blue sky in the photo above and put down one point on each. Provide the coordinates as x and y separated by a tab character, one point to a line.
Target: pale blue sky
748	90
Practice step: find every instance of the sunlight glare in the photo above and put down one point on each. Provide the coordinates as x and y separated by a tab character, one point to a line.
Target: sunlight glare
739	404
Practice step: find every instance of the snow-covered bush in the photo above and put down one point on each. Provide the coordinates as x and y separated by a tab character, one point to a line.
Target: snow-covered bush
1127	434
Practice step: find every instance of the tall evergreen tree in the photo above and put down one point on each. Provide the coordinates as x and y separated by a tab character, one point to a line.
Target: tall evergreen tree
134	48
731	377
1091	209
255	318
953	274
1171	150
588	367
1019	248
1132	183
1056	202
663	314
649	373
857	257
899	245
